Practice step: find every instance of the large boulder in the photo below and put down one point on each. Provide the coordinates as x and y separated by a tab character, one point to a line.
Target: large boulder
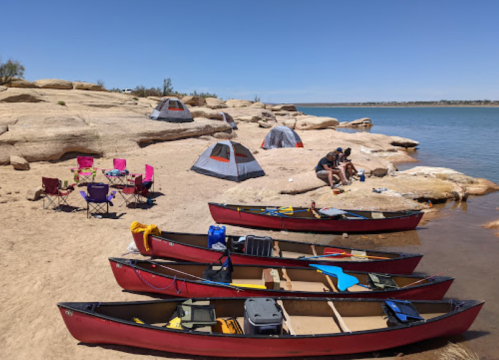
194	100
207	113
250	114
361	123
314	122
21	83
258	105
404	142
214	103
291	123
3	88
34	194
54	84
284	107
80	85
238	103
19	163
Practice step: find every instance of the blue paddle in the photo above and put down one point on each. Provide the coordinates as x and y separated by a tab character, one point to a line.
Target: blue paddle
344	280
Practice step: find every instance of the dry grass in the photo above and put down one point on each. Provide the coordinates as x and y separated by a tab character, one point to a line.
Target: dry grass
457	352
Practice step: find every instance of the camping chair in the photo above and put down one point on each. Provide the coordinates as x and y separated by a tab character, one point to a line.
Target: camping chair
97	198
134	193
53	195
118	175
85	172
148	178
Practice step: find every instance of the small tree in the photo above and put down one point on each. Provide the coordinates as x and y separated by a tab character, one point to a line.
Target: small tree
10	70
100	82
257	99
167	87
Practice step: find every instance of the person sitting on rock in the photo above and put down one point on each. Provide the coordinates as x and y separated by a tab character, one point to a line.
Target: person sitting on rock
345	165
326	168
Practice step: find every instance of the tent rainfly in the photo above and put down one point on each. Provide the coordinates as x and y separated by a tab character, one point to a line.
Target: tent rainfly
229	120
228	160
171	110
281	136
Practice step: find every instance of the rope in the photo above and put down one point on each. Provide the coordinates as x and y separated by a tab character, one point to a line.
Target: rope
156	288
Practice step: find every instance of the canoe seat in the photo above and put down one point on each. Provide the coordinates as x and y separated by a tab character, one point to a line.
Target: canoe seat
358	252
377	215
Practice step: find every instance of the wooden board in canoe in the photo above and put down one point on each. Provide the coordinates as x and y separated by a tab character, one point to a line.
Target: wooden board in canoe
186	280
311	327
304	219
194	247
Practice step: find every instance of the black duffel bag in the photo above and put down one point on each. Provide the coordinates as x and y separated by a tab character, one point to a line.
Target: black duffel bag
224	272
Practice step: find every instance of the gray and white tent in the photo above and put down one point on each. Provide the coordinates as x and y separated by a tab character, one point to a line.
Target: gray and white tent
229	120
171	110
228	160
281	136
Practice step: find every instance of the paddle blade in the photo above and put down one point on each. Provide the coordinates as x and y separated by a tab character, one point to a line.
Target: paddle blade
344	280
341	252
285	210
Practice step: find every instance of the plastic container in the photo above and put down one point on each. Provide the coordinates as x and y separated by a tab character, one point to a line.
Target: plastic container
216	234
262	316
238	244
258	245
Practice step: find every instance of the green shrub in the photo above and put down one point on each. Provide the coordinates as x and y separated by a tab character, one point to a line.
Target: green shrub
136	98
62	103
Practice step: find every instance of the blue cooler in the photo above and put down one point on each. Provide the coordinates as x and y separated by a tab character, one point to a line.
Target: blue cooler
216	234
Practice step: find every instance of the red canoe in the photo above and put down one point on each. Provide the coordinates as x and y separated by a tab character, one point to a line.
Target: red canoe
304	219
312	327
194	247
185	280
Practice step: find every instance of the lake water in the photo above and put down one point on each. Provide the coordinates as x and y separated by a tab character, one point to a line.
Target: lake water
461	138
464	139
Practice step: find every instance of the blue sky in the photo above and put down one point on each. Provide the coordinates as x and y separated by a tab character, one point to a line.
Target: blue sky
280	51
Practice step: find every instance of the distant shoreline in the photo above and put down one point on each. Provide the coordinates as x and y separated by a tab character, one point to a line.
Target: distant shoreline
391	106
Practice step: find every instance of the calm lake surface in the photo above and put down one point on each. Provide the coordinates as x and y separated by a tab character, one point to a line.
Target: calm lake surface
464	139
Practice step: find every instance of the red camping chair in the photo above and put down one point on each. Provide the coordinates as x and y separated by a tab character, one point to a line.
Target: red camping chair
53	195
118	175
85	172
134	193
148	181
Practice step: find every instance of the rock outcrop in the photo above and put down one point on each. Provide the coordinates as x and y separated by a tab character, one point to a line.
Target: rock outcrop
54	84
194	100
404	142
359	123
238	103
314	122
284	107
80	85
21	83
23	96
214	103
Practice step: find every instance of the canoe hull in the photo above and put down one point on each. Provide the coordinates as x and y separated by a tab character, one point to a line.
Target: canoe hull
225	215
93	329
133	279
164	248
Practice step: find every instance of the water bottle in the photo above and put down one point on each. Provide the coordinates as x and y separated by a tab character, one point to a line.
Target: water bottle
362	177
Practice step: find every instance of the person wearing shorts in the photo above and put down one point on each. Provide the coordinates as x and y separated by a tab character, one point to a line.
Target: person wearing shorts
326	168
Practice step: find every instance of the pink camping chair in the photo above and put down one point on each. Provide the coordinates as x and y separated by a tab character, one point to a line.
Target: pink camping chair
148	178
85	172
117	176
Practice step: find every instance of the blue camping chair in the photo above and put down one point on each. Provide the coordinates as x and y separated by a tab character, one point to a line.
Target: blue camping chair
97	198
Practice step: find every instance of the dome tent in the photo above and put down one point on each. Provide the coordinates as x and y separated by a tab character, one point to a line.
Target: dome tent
281	136
228	160
229	120
171	110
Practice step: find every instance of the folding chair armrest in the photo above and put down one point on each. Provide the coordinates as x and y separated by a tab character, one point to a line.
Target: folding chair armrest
110	197
84	195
